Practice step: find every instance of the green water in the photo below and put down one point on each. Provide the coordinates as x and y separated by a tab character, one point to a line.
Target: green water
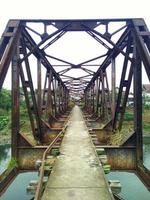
132	187
17	189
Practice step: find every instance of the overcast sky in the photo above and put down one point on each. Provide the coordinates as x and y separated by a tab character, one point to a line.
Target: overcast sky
67	9
72	9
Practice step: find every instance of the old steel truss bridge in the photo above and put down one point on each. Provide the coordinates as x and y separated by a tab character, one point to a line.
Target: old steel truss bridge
26	46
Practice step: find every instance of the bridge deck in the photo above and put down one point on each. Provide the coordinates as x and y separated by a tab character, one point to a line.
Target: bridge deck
77	174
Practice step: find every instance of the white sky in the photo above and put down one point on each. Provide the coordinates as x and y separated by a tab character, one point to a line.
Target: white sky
73	9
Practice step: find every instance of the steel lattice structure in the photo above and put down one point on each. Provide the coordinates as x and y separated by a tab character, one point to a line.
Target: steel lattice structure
18	44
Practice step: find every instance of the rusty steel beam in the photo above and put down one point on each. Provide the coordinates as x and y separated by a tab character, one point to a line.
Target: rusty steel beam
113	86
38	131
29	42
122	43
93	59
61	60
137	69
115	46
97	39
75	25
142	37
49	102
98	81
25	86
54	40
15	119
55	97
36	46
8	43
123	83
39	86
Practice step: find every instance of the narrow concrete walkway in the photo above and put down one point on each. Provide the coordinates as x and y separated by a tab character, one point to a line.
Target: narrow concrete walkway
77	174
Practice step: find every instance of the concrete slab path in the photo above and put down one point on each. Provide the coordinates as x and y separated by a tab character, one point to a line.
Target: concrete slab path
77	174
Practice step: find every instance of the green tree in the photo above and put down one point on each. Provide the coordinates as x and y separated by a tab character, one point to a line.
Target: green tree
5	99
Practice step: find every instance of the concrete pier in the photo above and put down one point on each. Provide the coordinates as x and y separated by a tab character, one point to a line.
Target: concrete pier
77	174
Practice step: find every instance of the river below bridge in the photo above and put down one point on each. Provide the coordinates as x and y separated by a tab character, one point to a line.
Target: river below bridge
132	187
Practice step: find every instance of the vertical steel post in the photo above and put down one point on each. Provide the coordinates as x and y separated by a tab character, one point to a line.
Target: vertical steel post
137	70
103	114
15	104
93	98
97	95
58	97
113	85
49	110
55	98
39	89
85	99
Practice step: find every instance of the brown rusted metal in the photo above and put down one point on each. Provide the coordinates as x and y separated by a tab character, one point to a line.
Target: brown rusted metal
15	104
121	158
39	86
7	47
137	69
6	178
113	86
144	175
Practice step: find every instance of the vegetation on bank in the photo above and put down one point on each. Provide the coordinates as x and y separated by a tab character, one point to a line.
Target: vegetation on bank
5	117
12	164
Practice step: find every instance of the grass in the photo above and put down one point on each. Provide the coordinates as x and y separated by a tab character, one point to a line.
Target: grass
12	163
128	116
128	125
146	128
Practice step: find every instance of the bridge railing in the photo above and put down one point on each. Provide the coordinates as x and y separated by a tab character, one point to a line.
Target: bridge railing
41	176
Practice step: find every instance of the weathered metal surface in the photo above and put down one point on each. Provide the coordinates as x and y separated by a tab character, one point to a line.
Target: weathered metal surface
8	46
121	158
27	157
15	104
137	70
113	85
39	86
77	172
144	174
6	178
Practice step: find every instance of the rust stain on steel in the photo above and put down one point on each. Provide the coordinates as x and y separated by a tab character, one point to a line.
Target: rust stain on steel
28	157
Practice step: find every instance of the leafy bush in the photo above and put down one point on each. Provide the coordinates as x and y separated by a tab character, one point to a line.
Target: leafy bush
4	120
5	99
